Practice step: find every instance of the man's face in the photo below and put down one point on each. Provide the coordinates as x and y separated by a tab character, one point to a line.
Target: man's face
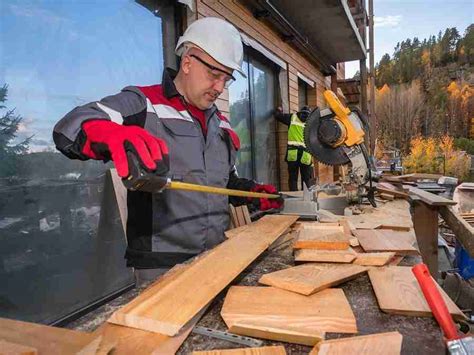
205	78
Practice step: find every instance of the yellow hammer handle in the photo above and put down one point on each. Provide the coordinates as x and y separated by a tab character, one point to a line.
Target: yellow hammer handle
178	185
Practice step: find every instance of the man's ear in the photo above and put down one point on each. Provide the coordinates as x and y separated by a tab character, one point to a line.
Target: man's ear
186	64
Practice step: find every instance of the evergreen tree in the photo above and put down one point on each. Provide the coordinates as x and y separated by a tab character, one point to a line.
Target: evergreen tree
9	124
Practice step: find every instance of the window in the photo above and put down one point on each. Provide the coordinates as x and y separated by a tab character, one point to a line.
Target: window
302	94
61	252
252	102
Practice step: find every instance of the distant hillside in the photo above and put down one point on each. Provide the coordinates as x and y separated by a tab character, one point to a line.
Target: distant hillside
426	88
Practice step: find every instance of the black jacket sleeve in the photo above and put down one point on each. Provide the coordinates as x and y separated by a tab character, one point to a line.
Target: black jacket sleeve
284	118
238	183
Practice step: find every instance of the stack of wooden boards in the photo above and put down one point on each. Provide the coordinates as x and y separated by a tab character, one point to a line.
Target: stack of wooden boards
369	244
468	217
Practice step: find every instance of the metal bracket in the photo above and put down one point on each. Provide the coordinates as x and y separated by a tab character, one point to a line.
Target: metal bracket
219	334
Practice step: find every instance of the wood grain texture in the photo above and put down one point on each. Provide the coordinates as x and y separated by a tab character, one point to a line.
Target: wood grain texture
398	292
264	350
374	259
8	348
430	198
271	313
325	256
45	339
385	241
310	278
321	239
373	344
167	309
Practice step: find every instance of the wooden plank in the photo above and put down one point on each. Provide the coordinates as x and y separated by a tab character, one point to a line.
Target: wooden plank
373	344
323	226
168	309
374	259
398	292
429	198
8	348
233	216
245	211
395	227
425	222
346	226
378	241
264	350
240	216
325	256
236	231
393	192
311	278
463	230
386	196
45	339
135	341
271	313
325	239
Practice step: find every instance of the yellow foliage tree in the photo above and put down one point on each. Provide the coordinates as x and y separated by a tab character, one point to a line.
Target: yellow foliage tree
437	156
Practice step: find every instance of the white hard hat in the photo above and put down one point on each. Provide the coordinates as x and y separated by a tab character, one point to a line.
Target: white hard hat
216	37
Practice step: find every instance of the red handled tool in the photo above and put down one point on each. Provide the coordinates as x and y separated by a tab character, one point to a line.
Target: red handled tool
456	344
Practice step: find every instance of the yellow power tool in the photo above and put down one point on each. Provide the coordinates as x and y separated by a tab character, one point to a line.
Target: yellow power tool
335	136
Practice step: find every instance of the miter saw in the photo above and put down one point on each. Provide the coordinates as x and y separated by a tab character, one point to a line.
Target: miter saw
335	136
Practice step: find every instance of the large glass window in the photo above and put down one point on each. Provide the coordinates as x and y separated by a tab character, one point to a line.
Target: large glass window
252	102
59	250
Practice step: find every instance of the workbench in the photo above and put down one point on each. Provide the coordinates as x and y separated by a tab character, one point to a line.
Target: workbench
420	335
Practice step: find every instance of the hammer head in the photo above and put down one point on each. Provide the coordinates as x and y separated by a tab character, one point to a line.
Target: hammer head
463	346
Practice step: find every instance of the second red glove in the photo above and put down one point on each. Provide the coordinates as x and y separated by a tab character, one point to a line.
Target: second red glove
265	203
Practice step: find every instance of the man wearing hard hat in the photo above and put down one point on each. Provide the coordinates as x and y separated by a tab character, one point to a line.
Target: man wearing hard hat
175	129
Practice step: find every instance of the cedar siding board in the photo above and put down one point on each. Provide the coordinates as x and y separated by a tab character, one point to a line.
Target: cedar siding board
242	17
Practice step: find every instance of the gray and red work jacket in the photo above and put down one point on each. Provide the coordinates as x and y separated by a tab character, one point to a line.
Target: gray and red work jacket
167	228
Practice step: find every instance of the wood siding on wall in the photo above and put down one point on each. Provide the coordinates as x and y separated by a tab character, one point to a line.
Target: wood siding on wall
242	18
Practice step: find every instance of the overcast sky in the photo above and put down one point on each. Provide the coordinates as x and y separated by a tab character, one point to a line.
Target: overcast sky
397	20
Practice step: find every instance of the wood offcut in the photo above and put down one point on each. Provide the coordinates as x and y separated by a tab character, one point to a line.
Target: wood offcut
326	256
373	344
398	292
264	350
324	239
275	314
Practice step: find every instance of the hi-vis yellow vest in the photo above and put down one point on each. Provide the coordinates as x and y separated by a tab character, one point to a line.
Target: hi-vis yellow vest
296	140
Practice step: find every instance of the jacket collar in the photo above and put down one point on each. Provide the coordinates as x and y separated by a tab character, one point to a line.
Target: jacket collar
169	89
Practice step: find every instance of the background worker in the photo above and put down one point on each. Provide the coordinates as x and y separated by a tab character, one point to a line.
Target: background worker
297	157
173	128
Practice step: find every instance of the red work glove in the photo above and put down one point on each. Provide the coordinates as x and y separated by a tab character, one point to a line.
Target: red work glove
266	203
109	140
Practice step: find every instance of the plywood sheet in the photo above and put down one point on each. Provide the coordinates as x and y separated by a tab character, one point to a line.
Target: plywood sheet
45	339
374	259
325	256
311	278
272	313
167	309
264	350
321	239
374	344
385	241
398	292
